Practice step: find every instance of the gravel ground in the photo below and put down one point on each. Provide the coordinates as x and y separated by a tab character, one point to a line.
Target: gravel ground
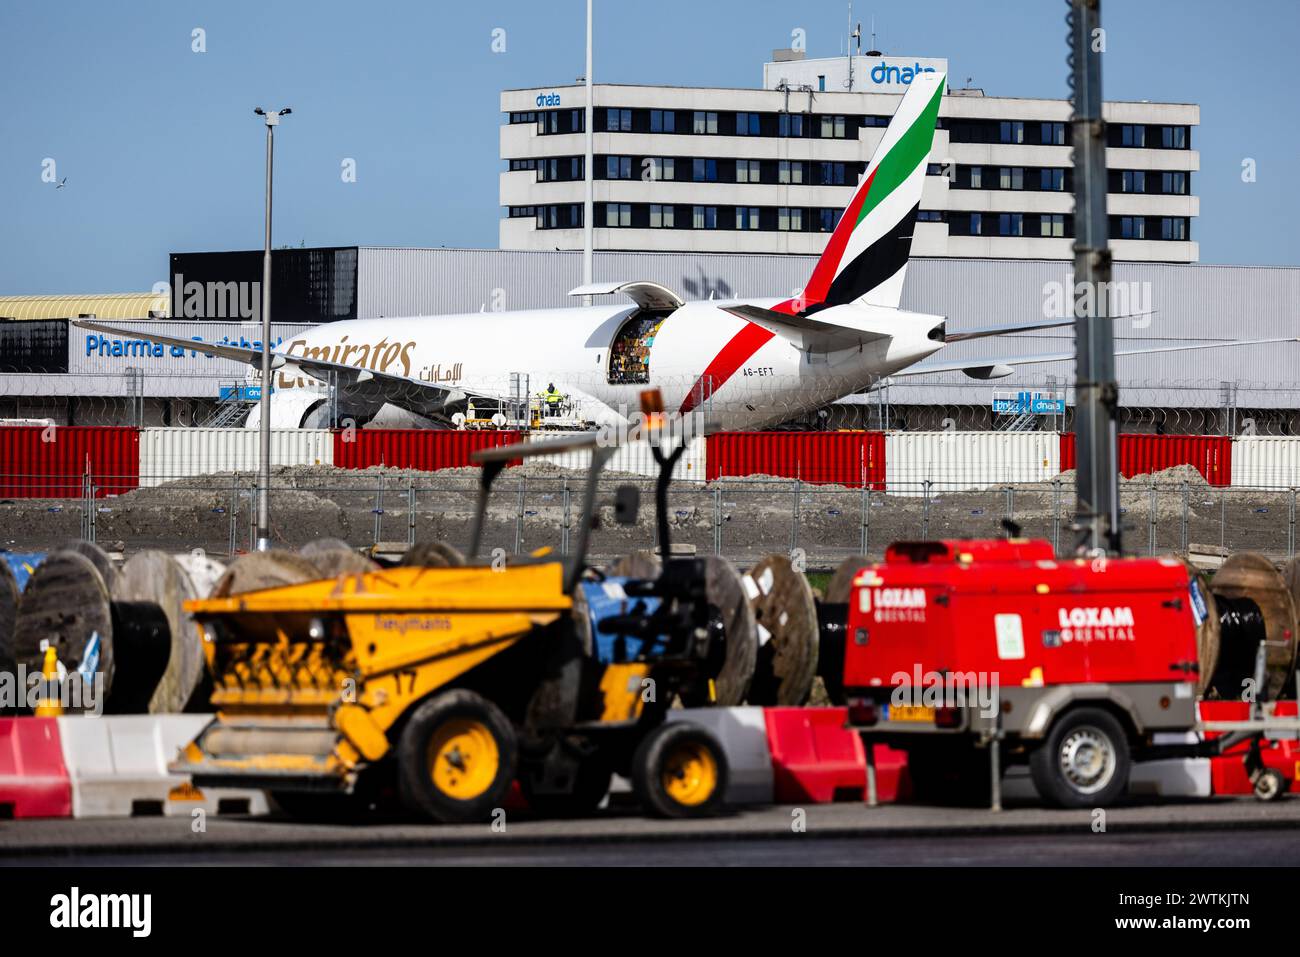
750	517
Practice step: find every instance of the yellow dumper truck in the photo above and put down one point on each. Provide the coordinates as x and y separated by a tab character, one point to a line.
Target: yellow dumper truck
444	685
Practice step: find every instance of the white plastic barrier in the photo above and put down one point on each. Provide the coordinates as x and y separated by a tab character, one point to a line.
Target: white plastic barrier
167	454
118	767
743	733
959	461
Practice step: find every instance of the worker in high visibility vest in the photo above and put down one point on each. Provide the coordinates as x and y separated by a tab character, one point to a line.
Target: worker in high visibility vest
552	397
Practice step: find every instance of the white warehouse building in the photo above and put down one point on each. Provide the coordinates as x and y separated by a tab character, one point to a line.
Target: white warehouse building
770	170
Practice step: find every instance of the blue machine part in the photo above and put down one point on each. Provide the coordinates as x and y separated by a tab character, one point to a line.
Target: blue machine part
606	598
22	564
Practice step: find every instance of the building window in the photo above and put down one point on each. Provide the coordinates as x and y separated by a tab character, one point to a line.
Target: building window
1174	183
704	217
976	224
1052	179
977	177
747	217
1133	181
1011	131
618	167
929	216
1173	137
833	127
618	214
1011	177
663	167
663	121
1173	227
1052	224
661	217
747	171
831	174
789	219
828	219
790	124
1053	134
618	121
789	171
747	124
1132	227
1134	136
1011	224
875	120
705	122
704	170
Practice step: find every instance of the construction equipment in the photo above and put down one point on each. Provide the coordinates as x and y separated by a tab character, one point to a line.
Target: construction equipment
443	684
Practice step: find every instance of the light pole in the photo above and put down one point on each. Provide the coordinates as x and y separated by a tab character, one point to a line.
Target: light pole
588	201
264	398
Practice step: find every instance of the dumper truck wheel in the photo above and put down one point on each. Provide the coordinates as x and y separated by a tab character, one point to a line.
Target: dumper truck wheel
456	758
1084	762
1270	785
680	770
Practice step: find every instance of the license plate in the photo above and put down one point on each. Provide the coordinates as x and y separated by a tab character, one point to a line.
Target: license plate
910	712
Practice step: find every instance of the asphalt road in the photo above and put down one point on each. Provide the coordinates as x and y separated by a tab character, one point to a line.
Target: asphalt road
1193	833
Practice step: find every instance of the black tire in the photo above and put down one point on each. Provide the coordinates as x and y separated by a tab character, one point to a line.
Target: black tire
1084	762
590	786
446	791
685	752
1270	785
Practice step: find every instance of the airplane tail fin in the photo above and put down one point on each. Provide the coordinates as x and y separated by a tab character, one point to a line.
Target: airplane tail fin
867	254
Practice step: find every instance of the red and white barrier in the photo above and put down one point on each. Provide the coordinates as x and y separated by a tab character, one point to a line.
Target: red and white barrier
33	778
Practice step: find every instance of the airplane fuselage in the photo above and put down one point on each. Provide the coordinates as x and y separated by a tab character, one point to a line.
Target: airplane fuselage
731	372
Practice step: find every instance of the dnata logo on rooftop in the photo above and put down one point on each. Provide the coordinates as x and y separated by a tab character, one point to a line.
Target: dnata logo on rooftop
886	73
548	99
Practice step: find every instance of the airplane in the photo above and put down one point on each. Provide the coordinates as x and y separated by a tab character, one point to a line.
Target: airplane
736	364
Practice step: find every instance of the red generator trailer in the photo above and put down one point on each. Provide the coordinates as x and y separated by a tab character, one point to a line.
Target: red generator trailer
971	655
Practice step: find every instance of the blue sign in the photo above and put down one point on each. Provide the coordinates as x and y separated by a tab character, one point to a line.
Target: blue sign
548	99
888	73
113	347
243	393
1034	403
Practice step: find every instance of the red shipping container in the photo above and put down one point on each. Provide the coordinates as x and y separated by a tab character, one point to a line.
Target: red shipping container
425	449
51	461
823	458
1144	454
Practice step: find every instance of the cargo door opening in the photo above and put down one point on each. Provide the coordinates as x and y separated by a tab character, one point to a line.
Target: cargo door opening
629	352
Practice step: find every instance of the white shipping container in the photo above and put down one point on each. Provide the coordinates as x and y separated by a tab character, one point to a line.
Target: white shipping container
960	461
1266	461
635	458
167	454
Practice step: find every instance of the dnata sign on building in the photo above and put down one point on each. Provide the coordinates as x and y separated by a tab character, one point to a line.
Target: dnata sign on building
871	74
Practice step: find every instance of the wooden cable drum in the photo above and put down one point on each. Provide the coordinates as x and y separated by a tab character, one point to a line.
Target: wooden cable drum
204	571
258	570
433	555
841	583
333	557
66	603
727	594
1253	601
785	616
1208	632
149	613
643	564
98	557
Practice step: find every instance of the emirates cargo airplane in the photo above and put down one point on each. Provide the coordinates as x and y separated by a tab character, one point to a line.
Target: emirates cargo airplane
744	364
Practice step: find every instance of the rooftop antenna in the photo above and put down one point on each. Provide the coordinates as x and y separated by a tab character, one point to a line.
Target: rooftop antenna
848	47
875	50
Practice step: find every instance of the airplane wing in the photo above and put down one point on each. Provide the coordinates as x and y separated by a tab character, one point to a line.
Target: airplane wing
819	335
1000	367
414	395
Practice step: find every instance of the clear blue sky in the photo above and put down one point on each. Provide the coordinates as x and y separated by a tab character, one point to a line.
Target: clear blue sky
162	152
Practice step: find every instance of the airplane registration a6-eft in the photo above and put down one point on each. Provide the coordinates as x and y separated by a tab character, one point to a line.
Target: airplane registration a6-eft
737	364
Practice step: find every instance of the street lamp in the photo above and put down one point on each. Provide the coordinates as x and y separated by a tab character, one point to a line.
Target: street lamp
264	399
